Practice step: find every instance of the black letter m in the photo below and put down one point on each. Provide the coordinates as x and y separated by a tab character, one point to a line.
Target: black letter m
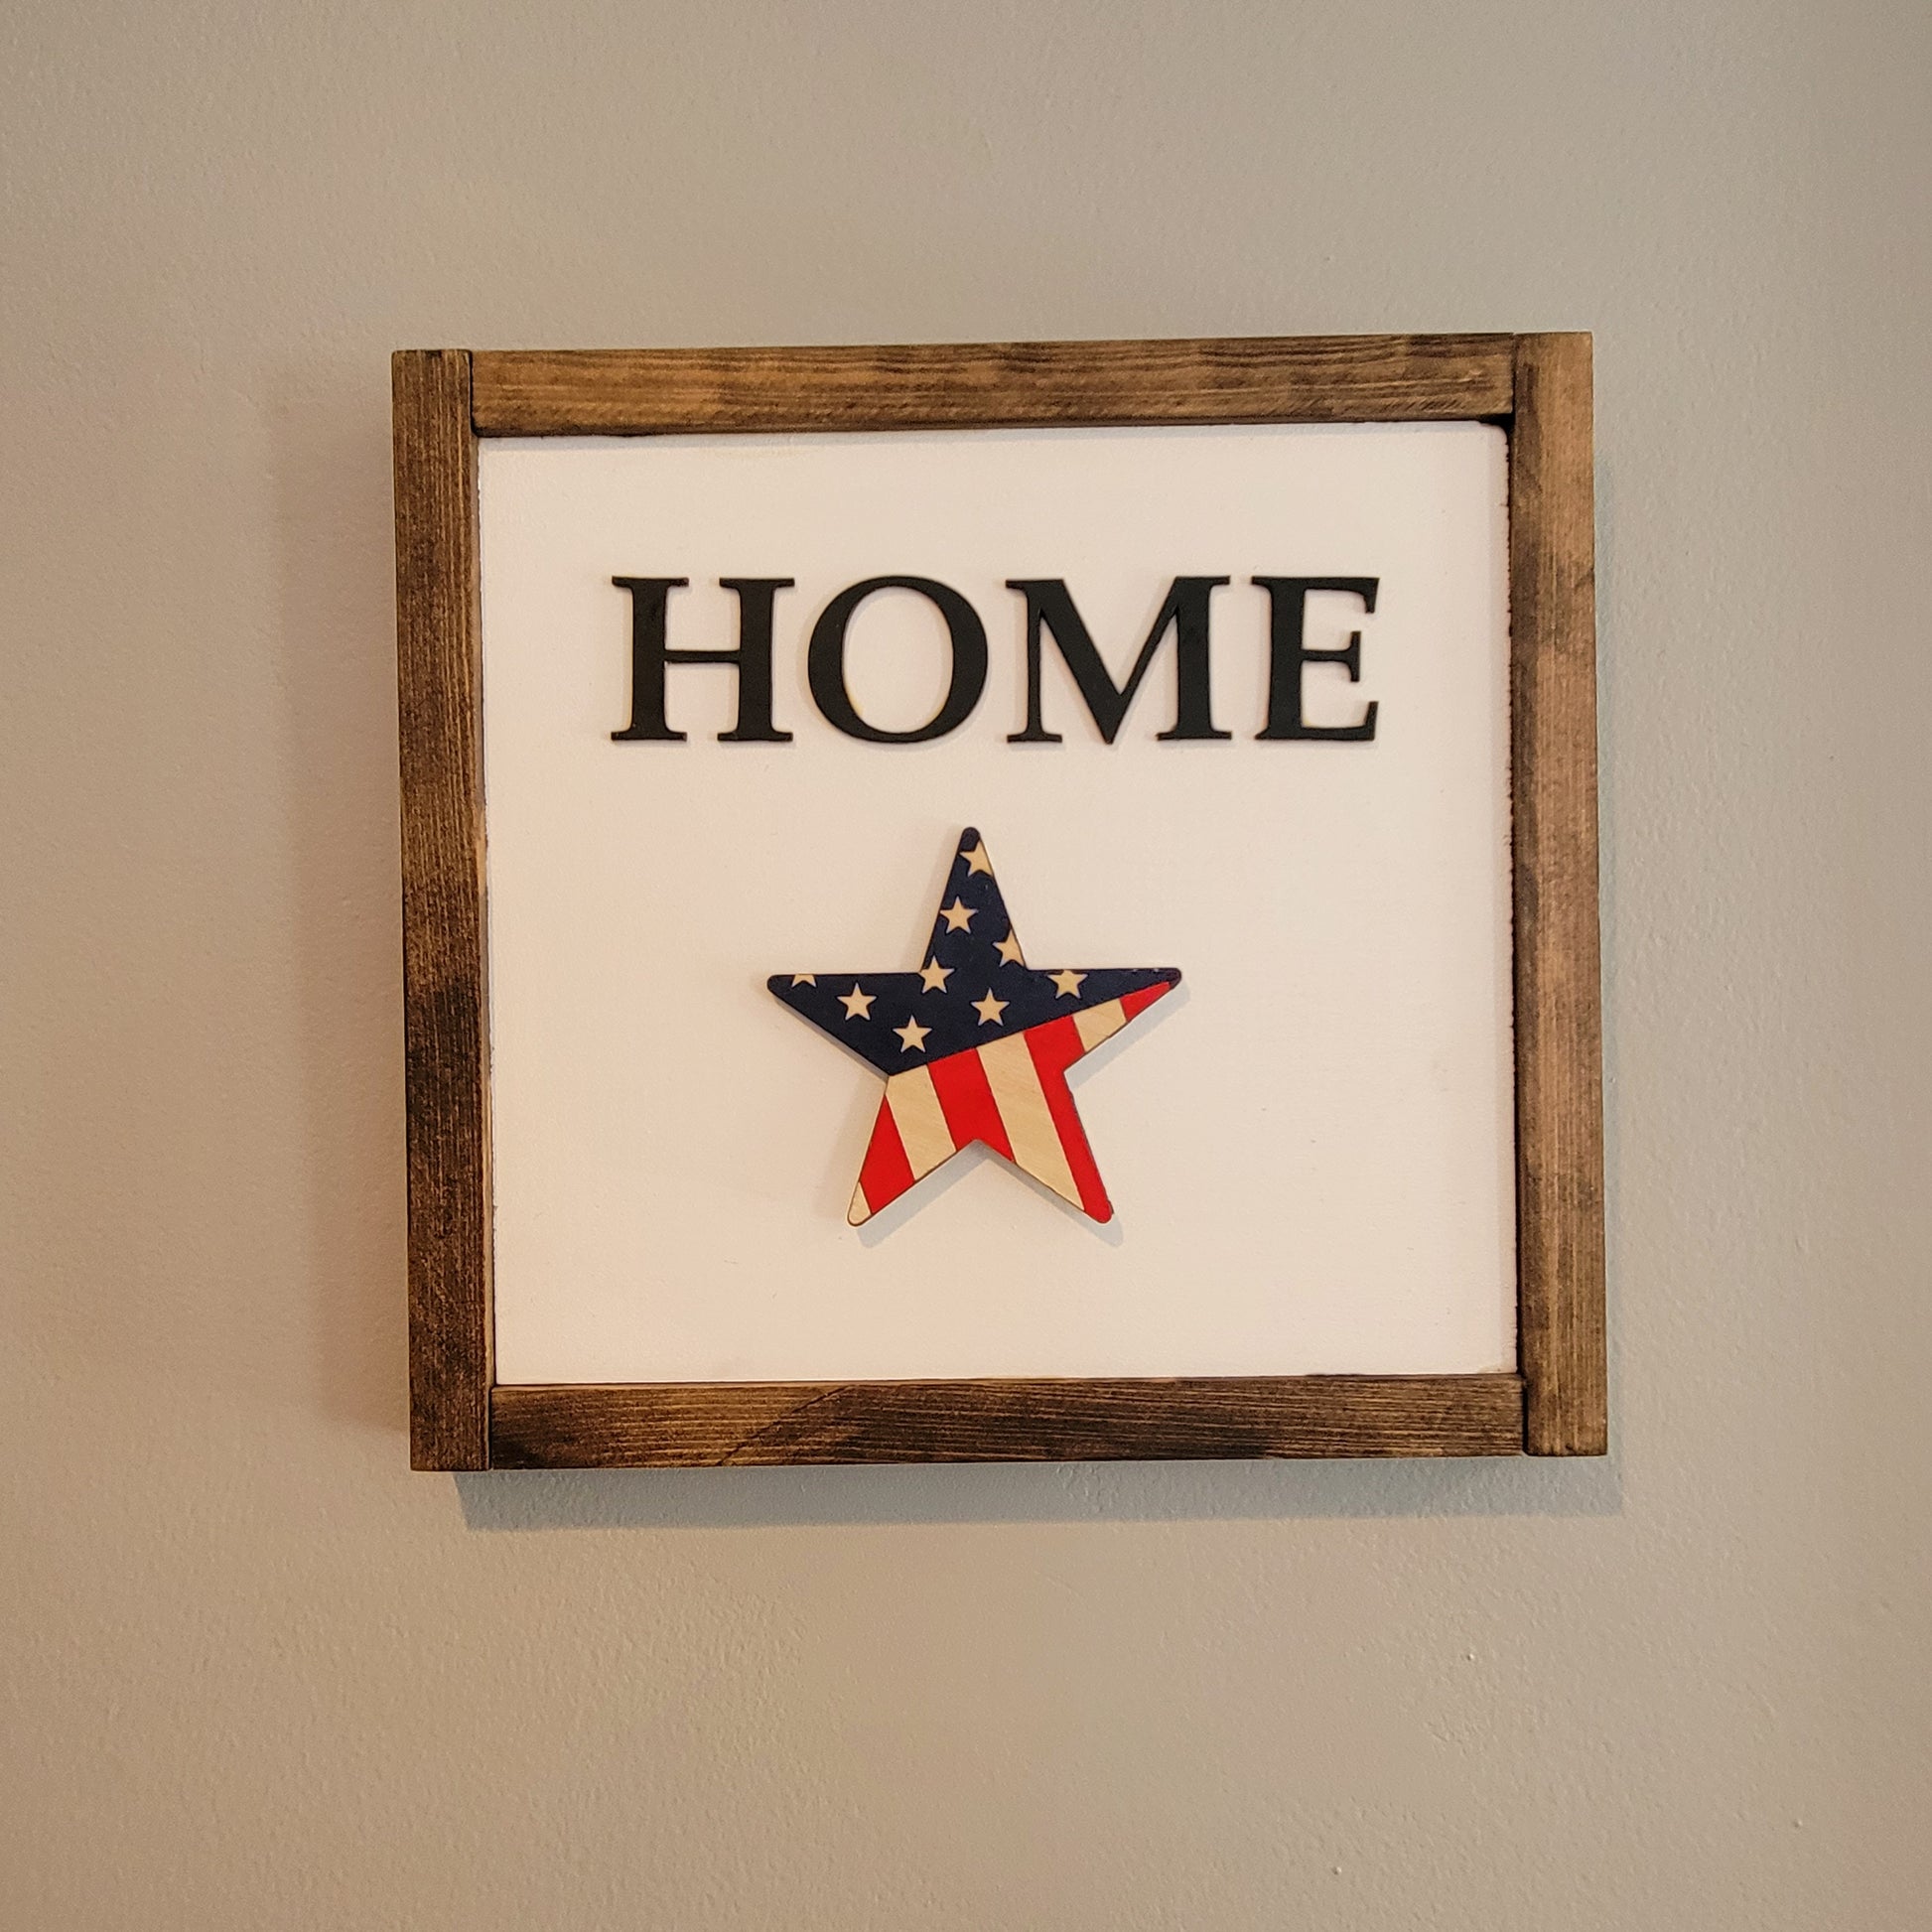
1050	606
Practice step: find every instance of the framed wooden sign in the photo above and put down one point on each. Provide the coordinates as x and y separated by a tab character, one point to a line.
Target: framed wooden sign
1021	901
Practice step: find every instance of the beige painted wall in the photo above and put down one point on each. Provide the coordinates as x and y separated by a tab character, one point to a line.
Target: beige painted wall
256	1675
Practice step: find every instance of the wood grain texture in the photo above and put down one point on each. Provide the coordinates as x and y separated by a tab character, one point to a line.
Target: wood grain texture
438	666
1559	1054
690	1426
1260	380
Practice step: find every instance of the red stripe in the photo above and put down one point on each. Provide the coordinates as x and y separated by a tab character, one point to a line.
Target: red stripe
966	1100
886	1172
1133	1003
1055	1047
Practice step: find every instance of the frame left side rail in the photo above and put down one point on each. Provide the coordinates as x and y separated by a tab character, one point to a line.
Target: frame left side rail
439	639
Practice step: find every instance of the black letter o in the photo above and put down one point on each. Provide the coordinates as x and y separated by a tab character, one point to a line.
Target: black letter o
825	660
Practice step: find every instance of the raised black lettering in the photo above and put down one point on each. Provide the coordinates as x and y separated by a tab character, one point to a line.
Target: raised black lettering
1050	606
1288	599
751	659
825	660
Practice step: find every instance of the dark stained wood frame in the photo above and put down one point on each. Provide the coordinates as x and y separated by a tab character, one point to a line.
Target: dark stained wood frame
1538	386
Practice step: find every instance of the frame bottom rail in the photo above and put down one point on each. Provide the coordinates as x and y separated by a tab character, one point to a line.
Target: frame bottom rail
590	1426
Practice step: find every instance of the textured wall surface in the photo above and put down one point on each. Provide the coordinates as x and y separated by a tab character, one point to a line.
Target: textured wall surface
258	1675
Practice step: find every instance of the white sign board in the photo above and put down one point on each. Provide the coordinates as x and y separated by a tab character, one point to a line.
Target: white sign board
1308	1145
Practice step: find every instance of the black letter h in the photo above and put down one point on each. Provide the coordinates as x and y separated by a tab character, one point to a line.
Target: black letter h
751	658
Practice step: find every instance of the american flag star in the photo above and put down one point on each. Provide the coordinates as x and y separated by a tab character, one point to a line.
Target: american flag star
975	1044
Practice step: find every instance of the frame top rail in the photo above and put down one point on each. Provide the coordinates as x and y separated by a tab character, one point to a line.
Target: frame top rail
1251	379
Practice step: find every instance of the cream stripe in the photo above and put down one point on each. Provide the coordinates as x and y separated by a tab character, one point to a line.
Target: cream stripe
860	1212
1036	1144
1099	1023
923	1129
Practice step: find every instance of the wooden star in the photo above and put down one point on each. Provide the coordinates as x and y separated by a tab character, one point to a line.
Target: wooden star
991	1070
